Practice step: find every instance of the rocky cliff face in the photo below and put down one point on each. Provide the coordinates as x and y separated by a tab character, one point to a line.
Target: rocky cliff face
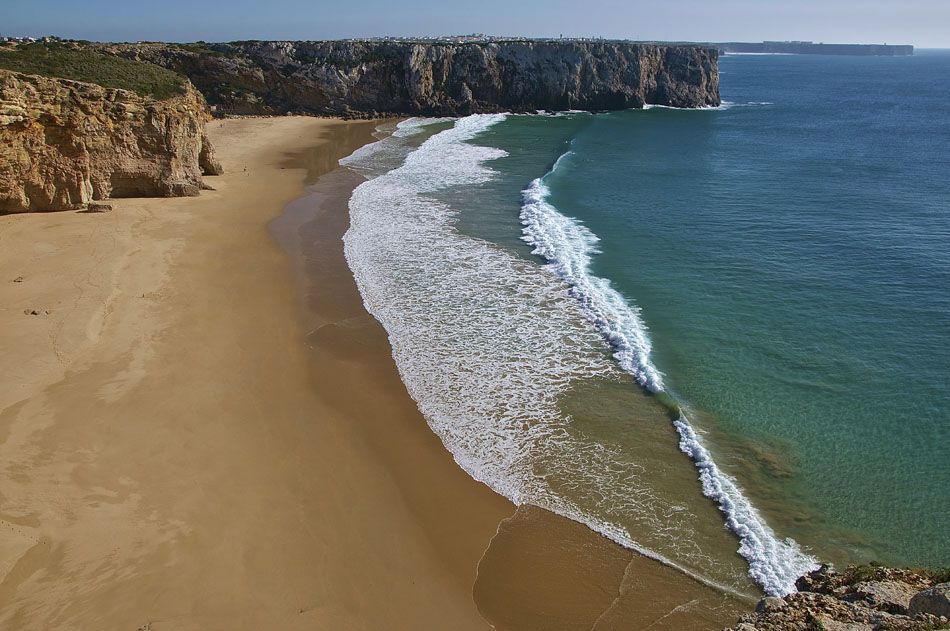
355	78
863	598
64	143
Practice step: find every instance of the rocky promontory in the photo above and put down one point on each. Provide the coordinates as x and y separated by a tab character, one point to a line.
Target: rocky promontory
861	598
65	143
436	78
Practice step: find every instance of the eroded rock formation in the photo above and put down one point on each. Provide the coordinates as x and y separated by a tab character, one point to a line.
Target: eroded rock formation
65	143
864	598
367	78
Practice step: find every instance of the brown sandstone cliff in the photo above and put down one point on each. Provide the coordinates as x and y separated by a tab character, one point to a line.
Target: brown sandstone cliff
65	143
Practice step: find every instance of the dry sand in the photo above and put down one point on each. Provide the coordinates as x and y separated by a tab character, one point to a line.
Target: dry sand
182	446
164	457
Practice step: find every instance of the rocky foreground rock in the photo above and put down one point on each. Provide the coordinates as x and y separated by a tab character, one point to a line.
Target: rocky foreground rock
864	598
66	143
370	78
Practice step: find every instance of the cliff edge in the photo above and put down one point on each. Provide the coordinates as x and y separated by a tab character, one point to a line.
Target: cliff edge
371	78
64	143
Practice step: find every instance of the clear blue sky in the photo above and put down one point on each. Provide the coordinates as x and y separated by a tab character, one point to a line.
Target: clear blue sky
925	23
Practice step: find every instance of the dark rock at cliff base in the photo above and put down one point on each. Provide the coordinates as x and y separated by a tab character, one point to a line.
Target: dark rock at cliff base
934	601
371	78
98	208
207	159
769	604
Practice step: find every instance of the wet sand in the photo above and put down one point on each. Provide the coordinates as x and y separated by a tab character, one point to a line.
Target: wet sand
188	441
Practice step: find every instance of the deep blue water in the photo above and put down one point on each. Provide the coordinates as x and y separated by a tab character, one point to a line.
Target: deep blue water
790	253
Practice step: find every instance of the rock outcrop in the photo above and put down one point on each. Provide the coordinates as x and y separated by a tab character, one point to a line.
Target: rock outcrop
369	78
864	598
65	143
935	600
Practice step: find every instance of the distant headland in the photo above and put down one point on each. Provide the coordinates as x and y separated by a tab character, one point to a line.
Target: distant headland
813	48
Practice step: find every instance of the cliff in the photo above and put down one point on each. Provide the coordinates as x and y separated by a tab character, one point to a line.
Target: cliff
369	78
118	127
64	143
862	598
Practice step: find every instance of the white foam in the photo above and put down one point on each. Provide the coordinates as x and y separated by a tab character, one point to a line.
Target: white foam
725	105
488	343
568	245
705	108
748	104
383	155
557	113
773	563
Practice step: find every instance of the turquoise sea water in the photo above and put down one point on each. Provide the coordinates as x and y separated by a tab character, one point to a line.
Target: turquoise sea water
778	268
791	257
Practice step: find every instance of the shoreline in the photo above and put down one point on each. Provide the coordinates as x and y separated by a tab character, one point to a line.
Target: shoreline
175	457
543	558
353	370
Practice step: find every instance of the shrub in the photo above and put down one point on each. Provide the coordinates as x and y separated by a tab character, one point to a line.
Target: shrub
55	59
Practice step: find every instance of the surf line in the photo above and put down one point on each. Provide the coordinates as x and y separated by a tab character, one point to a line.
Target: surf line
568	246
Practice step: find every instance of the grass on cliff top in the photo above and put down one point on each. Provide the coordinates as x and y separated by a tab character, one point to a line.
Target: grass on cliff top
874	571
70	62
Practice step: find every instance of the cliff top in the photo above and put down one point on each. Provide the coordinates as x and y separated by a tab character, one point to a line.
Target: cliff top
68	60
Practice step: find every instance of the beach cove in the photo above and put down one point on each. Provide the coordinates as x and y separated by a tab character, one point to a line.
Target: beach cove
213	451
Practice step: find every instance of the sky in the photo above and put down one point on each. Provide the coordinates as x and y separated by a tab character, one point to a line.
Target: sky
924	23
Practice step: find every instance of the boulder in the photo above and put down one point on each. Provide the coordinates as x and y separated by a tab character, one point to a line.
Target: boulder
769	605
889	596
934	601
834	625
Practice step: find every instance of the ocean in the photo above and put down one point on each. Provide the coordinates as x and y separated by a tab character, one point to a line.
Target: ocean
720	337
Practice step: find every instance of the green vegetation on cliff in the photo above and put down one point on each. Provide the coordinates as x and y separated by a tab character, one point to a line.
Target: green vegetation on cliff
55	59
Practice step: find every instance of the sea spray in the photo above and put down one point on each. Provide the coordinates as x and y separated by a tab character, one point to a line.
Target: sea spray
568	246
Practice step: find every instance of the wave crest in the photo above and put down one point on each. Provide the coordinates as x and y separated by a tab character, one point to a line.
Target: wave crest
567	246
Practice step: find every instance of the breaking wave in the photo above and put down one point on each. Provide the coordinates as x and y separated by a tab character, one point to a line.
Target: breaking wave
568	246
488	343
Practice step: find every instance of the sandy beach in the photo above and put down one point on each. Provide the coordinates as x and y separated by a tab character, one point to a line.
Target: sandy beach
165	458
198	431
